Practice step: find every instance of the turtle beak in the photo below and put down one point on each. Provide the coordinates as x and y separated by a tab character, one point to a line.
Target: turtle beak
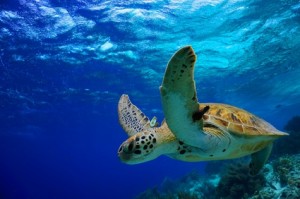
124	157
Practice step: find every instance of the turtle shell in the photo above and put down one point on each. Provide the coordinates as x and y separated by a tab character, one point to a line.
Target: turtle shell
237	121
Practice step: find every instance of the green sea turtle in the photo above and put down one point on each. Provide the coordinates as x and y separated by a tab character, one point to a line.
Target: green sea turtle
193	131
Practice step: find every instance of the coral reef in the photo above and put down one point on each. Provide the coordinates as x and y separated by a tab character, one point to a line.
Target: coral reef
289	144
282	167
283	179
280	179
238	183
190	186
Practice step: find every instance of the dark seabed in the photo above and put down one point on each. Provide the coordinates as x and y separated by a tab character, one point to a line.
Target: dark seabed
65	64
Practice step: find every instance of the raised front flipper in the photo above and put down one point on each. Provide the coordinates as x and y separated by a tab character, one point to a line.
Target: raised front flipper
132	119
179	98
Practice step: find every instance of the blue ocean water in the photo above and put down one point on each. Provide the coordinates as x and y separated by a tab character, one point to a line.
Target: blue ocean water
64	65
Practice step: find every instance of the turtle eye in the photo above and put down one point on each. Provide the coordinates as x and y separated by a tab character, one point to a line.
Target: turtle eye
128	147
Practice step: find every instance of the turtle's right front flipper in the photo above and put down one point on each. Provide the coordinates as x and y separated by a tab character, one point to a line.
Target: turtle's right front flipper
179	98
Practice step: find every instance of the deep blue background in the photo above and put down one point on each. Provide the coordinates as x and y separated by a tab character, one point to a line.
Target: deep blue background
64	66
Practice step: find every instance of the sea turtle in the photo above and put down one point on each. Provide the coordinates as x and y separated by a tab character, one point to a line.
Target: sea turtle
193	131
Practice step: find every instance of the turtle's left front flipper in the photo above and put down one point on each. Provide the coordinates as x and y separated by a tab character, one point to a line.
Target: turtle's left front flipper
179	98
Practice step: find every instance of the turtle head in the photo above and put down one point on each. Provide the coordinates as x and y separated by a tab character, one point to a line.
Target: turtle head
139	148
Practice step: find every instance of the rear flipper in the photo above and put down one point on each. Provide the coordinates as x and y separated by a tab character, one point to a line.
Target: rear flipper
259	159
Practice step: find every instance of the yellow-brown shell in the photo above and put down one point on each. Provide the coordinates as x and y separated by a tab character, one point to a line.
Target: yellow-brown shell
238	121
